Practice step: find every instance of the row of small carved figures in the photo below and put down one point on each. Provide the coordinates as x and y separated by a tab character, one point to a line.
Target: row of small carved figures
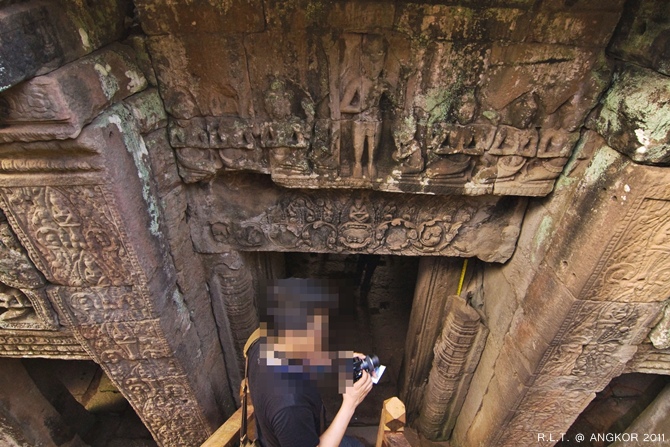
441	139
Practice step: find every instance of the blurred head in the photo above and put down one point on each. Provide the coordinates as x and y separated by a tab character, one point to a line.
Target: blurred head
294	317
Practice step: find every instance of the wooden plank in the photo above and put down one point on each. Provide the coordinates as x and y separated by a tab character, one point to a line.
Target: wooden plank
229	433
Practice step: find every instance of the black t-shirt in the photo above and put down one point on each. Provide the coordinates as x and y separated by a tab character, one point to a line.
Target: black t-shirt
287	406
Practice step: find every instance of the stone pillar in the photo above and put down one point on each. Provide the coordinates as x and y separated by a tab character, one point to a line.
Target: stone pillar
233	295
436	280
600	287
456	356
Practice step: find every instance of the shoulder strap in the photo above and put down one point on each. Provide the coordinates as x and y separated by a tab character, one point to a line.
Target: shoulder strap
255	335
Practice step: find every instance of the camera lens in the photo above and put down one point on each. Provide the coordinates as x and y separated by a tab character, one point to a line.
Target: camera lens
369	364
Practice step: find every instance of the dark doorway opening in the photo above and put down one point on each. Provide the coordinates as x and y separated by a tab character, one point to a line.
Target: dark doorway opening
90	406
615	408
375	305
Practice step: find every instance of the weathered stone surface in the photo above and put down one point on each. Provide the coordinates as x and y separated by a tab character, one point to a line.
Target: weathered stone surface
363	101
634	118
437	278
650	360
233	295
151	247
229	17
652	425
350	223
456	353
148	111
39	36
86	230
643	36
59	104
197	295
660	335
16	268
581	319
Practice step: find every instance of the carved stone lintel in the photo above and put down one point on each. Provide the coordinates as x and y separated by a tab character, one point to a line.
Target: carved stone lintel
361	222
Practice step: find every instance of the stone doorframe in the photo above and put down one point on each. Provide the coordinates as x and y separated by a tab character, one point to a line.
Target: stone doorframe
584	312
85	204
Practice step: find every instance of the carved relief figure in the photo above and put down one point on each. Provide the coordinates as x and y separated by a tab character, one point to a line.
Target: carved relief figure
408	138
287	135
452	145
361	98
70	229
18	308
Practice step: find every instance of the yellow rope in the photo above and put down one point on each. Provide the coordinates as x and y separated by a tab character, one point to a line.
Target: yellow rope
460	281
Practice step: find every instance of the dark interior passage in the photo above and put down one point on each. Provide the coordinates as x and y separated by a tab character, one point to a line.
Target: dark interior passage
92	410
615	408
375	304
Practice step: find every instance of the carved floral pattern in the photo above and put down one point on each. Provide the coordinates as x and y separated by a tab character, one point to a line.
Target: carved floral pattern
357	226
75	240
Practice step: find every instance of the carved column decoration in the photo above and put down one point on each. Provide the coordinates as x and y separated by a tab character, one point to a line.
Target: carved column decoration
233	299
96	235
436	280
456	355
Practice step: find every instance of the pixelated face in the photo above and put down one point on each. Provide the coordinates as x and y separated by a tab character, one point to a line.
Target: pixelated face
300	343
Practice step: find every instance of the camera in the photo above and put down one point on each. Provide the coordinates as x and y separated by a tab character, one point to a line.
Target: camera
369	364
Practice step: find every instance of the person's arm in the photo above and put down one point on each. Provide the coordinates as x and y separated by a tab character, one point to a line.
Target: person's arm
350	400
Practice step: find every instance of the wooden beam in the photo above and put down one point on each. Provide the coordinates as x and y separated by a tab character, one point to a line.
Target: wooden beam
229	433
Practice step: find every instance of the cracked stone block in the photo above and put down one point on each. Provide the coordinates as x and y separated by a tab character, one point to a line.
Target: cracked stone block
58	105
38	36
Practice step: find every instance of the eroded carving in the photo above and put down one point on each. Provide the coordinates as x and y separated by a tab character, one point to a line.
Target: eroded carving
24	343
641	271
53	107
109	304
18	310
134	354
376	109
232	288
70	234
16	269
450	370
25	309
362	222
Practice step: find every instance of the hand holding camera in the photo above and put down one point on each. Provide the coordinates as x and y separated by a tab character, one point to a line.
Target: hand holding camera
367	363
